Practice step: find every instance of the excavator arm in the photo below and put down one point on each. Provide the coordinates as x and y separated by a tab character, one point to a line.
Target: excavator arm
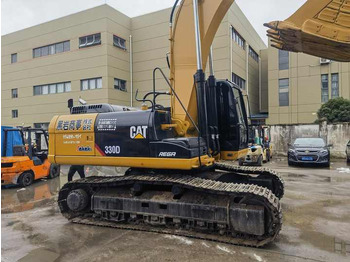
320	28
183	63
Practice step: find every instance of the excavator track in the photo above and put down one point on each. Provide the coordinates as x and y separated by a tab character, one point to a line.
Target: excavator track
237	203
255	172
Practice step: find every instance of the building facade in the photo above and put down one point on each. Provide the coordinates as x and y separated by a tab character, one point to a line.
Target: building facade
298	84
103	56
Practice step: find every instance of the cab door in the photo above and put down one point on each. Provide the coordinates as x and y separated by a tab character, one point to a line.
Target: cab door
232	121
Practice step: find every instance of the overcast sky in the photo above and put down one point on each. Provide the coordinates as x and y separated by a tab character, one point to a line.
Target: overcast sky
20	14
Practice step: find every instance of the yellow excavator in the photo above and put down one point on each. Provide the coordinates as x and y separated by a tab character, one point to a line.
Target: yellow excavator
178	181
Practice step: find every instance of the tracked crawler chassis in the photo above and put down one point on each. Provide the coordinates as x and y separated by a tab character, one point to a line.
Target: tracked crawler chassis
187	205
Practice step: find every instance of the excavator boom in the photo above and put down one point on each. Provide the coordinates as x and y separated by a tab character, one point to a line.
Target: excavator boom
320	28
183	49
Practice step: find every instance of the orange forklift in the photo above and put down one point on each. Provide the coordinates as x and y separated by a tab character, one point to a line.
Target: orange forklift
24	156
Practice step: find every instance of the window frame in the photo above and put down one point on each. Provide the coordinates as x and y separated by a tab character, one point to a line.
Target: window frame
67	84
119	45
324	90
59	50
60	88
283	89
44	50
14	58
38	89
14	95
283	65
332	85
46	88
238	38
38	51
253	54
14	113
122	86
97	80
52	85
239	81
94	41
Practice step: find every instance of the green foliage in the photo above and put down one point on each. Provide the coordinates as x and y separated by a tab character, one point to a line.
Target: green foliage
335	110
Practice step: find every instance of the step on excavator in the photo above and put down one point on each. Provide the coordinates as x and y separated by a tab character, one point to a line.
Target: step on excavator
181	179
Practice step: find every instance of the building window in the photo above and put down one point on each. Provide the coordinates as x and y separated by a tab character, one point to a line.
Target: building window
90	40
283	59
51	49
283	90
52	88
13	58
120	84
238	38
14	93
15	113
44	126
119	42
253	54
92	83
335	85
324	88
240	82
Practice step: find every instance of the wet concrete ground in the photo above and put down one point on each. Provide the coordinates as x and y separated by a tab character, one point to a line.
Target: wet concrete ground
316	209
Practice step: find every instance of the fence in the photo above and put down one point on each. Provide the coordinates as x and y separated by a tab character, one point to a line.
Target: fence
336	134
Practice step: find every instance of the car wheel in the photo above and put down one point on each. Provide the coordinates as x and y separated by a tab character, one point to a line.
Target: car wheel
26	179
54	171
348	160
240	162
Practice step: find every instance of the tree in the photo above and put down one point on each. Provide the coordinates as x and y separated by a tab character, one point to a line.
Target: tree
335	110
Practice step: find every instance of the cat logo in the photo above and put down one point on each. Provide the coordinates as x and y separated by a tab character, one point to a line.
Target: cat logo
138	132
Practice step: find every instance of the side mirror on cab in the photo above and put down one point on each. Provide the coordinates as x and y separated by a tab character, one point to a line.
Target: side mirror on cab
330	145
289	144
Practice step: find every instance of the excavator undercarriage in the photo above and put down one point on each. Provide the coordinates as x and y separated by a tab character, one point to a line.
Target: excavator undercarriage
212	205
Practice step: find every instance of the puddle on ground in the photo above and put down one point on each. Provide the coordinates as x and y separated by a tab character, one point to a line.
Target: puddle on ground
43	191
303	218
40	193
326	243
343	170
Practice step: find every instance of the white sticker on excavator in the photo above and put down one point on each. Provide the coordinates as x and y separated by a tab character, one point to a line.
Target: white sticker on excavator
138	132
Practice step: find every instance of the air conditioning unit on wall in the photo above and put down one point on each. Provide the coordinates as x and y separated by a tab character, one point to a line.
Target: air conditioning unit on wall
324	61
